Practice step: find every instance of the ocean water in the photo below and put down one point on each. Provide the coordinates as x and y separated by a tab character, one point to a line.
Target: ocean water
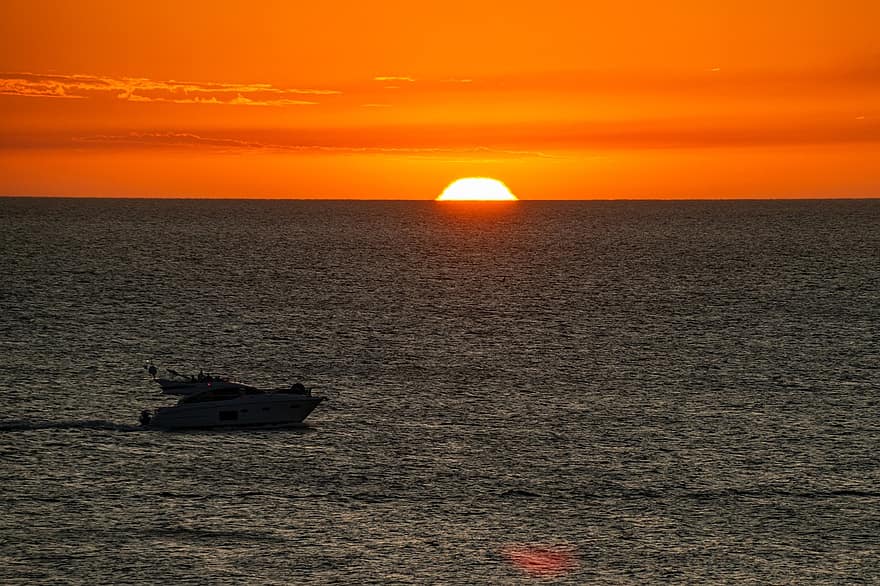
573	393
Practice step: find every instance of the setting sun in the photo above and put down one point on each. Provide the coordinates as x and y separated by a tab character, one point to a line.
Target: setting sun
476	189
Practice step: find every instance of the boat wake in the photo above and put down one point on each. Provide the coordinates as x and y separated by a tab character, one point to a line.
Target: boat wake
97	424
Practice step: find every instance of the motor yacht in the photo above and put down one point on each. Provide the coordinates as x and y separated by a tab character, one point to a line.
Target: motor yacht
234	407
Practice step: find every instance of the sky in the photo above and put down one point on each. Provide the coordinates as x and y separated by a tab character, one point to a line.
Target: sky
633	99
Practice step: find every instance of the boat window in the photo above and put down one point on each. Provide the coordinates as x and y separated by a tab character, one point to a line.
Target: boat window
228	415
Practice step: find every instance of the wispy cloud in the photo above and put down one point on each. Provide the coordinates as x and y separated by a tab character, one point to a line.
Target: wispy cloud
139	89
466	142
227	144
393	78
714	82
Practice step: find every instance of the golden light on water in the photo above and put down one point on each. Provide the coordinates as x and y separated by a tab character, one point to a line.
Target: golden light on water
541	560
476	189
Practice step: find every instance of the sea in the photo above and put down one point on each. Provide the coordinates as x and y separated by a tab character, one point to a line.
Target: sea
591	392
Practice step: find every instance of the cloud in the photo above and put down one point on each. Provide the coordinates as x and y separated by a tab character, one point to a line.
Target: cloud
139	89
170	139
695	133
12	86
525	140
707	83
393	78
227	144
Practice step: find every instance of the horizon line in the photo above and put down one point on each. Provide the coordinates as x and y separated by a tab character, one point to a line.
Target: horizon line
409	199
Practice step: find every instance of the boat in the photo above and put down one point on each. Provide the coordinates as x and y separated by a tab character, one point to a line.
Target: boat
235	407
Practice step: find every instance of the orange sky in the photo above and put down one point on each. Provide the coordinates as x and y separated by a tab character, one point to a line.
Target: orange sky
393	99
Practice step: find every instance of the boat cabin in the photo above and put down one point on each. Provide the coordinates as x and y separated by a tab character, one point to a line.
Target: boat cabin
221	394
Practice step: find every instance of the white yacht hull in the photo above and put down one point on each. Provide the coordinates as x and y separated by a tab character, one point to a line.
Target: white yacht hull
246	410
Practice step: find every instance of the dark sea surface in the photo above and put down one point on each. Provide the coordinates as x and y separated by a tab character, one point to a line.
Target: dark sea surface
575	393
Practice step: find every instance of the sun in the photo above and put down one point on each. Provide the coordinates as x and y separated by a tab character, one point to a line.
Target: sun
476	189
